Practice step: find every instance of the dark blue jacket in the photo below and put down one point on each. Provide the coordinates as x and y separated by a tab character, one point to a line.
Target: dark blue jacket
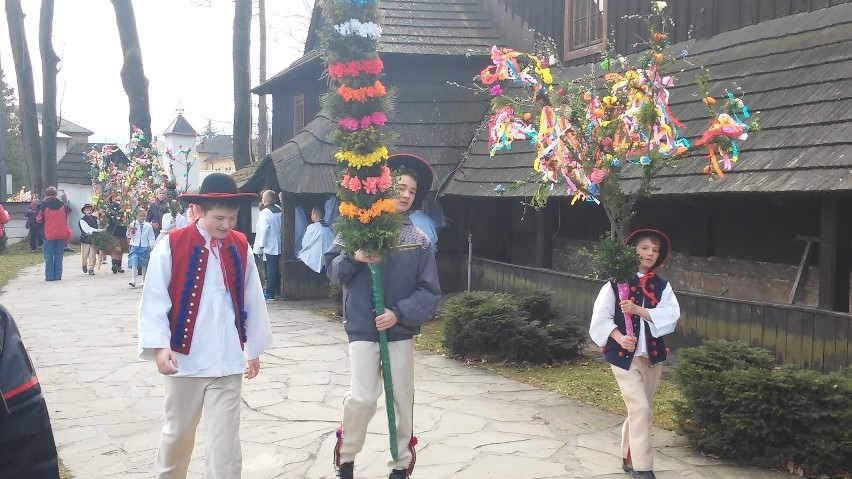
411	288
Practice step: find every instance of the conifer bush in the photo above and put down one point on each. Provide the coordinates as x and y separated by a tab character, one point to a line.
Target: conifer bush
737	405
501	327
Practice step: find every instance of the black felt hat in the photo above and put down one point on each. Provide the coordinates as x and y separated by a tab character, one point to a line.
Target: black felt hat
87	205
419	166
665	243
217	186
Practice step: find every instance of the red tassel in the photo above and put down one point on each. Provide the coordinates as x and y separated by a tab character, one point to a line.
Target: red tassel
411	443
337	446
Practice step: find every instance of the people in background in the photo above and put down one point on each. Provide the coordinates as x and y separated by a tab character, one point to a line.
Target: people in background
157	209
88	226
267	242
53	216
36	236
425	224
140	235
316	241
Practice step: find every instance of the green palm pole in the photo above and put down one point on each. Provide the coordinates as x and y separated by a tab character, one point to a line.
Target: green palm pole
379	301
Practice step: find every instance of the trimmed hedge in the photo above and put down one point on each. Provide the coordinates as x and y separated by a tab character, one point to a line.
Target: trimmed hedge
737	405
482	324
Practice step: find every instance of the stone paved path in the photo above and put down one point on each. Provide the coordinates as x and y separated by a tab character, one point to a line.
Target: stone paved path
106	403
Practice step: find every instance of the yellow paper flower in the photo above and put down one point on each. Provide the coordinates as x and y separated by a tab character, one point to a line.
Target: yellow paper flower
359	161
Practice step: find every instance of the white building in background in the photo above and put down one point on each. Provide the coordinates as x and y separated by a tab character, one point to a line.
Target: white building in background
179	137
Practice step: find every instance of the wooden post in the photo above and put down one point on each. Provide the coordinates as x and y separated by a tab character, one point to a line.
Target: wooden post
834	256
543	238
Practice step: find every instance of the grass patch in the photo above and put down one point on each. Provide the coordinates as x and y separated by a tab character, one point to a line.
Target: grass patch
587	380
16	257
63	471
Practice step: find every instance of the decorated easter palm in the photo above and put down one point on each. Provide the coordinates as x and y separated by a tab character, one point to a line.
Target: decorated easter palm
368	220
587	135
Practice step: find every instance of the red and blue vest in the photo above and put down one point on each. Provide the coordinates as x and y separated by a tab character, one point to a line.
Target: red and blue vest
645	293
190	253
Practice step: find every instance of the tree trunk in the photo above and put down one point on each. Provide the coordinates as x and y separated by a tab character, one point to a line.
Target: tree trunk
242	79
26	92
262	125
49	122
132	73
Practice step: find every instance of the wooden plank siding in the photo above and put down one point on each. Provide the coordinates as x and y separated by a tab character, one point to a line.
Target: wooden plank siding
808	338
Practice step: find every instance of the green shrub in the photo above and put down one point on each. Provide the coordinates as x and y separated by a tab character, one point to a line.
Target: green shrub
737	405
482	324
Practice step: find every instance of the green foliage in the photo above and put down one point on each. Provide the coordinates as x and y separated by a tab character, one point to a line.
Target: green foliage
13	145
737	405
381	234
4	241
486	325
103	240
613	259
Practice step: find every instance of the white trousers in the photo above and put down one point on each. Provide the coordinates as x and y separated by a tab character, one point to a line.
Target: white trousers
359	406
185	399
638	386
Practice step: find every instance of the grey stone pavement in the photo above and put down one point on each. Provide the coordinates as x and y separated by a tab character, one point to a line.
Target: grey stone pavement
106	403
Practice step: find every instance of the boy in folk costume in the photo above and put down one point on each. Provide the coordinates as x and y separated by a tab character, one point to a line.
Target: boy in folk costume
88	227
411	294
635	360
204	321
141	237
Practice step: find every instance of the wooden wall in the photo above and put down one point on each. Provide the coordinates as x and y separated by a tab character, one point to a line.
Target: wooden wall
692	18
809	338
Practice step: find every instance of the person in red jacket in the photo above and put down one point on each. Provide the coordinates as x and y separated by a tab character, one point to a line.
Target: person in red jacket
53	215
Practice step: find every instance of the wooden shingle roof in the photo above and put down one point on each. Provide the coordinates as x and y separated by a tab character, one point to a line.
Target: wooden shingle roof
794	72
420	27
433	120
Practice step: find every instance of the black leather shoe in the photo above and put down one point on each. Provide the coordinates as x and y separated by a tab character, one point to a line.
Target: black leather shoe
644	475
626	466
346	470
398	474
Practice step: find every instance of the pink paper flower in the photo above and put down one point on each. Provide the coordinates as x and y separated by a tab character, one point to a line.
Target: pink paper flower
353	184
371	185
496	90
597	176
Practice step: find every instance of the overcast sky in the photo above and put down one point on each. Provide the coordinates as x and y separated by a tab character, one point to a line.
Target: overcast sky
186	51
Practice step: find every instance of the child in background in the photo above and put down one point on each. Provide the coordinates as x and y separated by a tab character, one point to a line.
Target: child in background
635	359
204	321
88	227
140	235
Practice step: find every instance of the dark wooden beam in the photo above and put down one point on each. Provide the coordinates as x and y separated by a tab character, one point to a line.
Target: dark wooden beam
834	256
543	238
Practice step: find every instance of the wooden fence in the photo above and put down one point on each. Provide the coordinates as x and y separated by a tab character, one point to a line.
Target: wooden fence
805	337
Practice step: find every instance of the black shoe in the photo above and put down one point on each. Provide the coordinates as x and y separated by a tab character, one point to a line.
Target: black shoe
398	474
114	268
346	470
626	466
85	269
644	475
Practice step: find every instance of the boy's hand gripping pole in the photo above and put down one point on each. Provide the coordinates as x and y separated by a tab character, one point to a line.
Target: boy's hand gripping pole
379	301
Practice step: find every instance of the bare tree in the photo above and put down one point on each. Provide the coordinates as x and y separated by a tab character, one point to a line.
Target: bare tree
132	72
26	91
242	80
262	124
49	121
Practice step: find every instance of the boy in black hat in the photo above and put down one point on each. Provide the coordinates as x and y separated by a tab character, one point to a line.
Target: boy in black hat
411	294
204	321
635	359
88	227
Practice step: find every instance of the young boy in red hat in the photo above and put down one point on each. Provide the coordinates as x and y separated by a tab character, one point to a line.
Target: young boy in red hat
204	321
411	294
635	359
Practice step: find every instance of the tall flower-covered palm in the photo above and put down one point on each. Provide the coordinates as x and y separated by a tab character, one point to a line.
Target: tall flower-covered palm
358	100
